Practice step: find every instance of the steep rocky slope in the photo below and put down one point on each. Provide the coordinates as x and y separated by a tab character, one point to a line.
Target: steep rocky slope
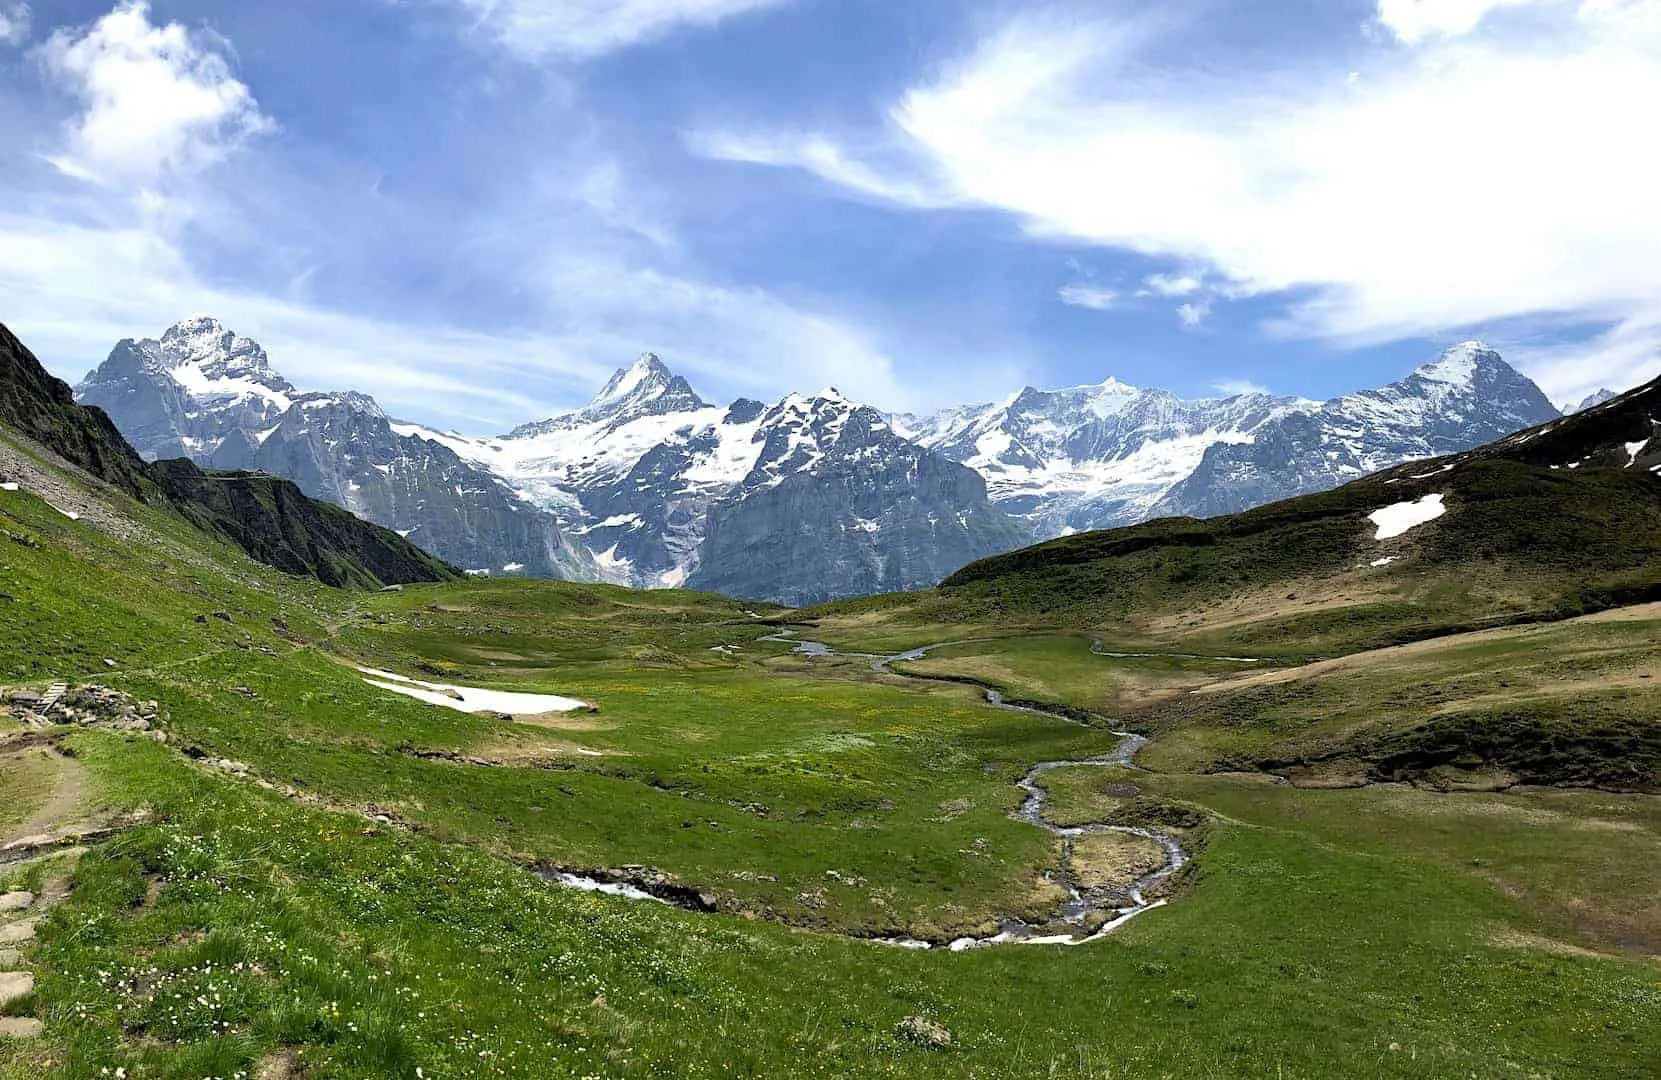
875	510
267	517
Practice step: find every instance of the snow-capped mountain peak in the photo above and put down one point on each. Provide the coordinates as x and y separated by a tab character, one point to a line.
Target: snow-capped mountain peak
200	391
212	353
1459	365
1592	401
645	388
646	377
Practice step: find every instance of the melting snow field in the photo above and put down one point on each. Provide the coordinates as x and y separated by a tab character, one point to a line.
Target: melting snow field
1394	520
470	699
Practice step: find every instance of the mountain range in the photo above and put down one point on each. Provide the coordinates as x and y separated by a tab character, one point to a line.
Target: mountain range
810	498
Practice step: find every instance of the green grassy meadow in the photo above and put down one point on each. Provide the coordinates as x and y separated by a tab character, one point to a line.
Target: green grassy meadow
361	904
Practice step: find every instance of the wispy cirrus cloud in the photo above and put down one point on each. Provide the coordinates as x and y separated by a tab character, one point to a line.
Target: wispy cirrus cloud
1489	172
859	171
581	29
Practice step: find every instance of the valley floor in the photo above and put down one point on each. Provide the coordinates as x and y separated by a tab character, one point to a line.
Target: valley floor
292	872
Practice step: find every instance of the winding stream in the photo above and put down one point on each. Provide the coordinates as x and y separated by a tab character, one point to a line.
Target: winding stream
1089	914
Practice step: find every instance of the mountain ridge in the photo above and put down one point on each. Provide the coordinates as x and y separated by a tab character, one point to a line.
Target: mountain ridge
632	486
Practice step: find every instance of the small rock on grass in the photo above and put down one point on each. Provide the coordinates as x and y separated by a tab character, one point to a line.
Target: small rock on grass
10	959
14	985
18	932
19	1027
16	901
924	1032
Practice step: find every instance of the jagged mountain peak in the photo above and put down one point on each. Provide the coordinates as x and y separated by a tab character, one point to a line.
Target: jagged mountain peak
349	400
1593	400
647	376
1461	364
204	342
646	387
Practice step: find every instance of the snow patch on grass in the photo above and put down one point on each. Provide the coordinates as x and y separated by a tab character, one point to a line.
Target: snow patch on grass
1398	518
471	699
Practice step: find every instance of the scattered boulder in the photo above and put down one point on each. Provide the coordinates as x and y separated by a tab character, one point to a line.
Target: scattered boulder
18	932
16	901
922	1031
85	706
20	1027
15	985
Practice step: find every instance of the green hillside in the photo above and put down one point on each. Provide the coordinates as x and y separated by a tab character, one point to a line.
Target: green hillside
282	868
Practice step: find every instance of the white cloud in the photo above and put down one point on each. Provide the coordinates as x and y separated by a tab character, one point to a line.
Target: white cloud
535	29
1499	174
1173	284
155	98
1194	313
1625	356
1088	296
14	23
74	289
1236	387
1413	21
823	157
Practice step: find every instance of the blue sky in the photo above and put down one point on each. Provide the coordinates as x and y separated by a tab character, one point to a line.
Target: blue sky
475	209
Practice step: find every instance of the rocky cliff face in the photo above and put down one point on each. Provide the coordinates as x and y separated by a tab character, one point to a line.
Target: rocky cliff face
202	392
874	512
